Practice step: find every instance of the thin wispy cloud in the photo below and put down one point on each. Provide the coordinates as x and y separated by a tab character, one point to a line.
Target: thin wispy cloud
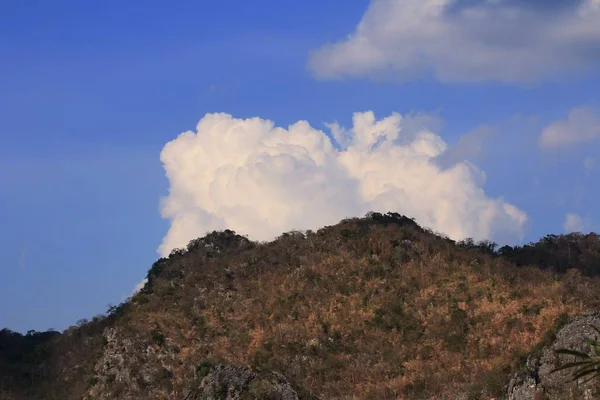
23	258
469	147
575	223
589	163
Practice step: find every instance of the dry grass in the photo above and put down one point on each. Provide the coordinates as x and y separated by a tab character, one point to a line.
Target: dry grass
360	310
353	311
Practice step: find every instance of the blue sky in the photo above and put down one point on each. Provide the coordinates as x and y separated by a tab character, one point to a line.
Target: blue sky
90	92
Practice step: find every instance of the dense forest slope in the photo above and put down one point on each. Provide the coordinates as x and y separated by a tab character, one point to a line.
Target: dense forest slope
371	308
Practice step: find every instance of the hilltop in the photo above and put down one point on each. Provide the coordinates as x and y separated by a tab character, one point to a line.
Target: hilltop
370	308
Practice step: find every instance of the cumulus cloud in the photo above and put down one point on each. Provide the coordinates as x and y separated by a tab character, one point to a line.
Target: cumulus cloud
139	286
467	40
581	126
575	223
261	180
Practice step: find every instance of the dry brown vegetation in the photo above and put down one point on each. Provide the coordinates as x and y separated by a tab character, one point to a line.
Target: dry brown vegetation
373	308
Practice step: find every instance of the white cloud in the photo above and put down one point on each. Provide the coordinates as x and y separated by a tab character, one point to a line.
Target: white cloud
581	126
261	180
467	40
575	223
139	286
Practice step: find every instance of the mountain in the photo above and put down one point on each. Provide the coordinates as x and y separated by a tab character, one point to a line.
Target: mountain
371	308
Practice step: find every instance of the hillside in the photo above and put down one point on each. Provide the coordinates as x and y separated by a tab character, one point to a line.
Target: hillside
371	308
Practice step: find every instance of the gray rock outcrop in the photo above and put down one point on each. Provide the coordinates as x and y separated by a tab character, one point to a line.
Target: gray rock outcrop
538	382
227	382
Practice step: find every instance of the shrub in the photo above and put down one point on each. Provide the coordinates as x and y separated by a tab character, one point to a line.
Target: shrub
203	369
262	390
158	337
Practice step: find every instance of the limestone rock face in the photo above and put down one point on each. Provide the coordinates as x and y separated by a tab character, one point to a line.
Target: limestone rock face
227	382
131	369
537	382
123	363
